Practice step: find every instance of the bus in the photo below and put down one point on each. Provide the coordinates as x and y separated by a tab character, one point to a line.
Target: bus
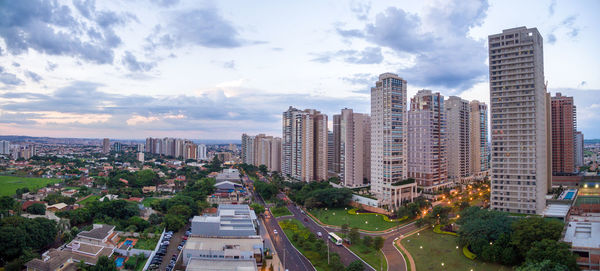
335	239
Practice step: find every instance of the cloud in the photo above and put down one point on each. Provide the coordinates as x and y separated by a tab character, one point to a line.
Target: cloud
551	7
165	3
370	55
568	25
229	65
9	79
33	76
444	53
363	80
360	9
51	28
131	62
51	66
202	27
210	110
15	64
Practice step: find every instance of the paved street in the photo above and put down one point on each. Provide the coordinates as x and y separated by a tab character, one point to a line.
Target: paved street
172	248
289	256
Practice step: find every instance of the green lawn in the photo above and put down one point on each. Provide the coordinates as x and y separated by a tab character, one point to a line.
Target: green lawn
148	201
280	211
10	184
90	199
340	216
430	250
369	255
148	244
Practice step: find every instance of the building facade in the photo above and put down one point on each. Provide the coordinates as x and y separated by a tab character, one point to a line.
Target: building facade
304	144
105	145
578	150
459	134
4	147
564	127
427	141
388	137
355	148
480	155
519	121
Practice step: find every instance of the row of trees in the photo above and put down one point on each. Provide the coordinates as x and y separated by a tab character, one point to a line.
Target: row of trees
319	194
529	242
22	238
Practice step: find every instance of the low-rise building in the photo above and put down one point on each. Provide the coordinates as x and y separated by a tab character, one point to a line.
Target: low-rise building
230	220
196	264
229	248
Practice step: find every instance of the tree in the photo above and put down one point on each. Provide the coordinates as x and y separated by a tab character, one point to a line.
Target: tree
173	222
180	210
104	264
355	266
345	228
7	203
354	236
263	169
555	251
37	209
154	219
258	209
545	265
367	241
532	229
378	242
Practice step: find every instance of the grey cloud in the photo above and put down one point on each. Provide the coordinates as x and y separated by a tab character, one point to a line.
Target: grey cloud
569	25
361	79
370	55
9	79
15	64
165	3
202	27
33	76
446	58
551	38
361	9
51	28
551	7
214	107
131	62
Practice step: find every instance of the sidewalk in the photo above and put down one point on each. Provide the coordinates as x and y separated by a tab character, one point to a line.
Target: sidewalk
398	244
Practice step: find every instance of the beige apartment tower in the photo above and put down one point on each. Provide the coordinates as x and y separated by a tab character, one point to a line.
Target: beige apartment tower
304	145
519	121
388	142
459	146
355	147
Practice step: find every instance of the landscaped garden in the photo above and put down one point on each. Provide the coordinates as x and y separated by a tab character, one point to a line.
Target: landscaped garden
315	249
365	221
430	250
146	243
367	251
10	184
280	211
89	199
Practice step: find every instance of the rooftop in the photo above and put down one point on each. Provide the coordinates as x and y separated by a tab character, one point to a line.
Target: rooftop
583	234
220	244
556	210
196	264
100	231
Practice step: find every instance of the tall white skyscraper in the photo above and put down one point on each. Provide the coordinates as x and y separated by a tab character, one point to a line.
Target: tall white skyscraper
388	141
202	152
519	121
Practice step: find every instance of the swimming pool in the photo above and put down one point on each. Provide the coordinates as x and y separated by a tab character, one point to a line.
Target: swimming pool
119	261
569	195
128	242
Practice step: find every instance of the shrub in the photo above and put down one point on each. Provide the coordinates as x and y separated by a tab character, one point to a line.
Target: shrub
468	253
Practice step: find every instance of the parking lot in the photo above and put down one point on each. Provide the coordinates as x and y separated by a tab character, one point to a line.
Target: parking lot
168	253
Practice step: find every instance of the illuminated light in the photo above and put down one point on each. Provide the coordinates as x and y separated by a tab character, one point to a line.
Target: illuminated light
442	264
421	247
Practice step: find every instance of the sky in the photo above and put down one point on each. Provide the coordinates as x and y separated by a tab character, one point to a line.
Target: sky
217	69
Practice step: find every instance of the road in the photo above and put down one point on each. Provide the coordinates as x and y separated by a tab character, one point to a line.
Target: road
172	248
291	258
345	255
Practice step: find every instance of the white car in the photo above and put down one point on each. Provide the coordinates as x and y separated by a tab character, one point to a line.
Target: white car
275	231
319	234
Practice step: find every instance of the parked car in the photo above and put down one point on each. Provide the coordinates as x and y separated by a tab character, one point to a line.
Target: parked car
275	231
319	234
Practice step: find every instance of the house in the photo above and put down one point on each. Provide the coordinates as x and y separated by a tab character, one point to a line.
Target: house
88	246
126	182
134	199
57	207
148	189
109	197
68	193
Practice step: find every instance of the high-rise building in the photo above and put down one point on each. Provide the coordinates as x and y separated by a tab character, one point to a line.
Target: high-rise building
304	144
336	143
388	142
564	127
4	147
247	149
480	156
330	154
140	147
140	157
202	152
459	143
355	148
427	141
106	145
117	146
578	150
519	121
190	150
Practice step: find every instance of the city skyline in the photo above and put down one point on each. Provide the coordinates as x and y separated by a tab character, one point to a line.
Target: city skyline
149	83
